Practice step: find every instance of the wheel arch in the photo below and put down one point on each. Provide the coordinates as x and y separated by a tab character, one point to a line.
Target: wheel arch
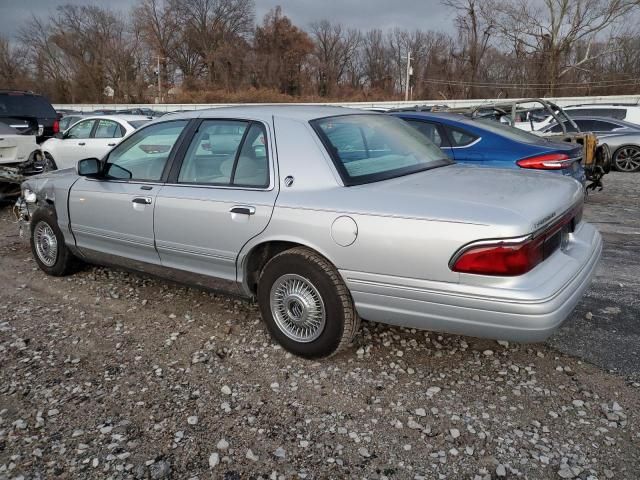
254	257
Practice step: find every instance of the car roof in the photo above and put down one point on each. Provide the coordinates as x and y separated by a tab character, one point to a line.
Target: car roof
446	116
124	117
294	112
604	119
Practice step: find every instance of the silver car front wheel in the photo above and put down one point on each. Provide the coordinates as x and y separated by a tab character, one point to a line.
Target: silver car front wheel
46	243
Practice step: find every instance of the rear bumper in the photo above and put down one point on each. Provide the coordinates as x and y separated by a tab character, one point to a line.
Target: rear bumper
524	309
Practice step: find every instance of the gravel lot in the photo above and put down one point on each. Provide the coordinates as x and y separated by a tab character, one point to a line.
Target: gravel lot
109	375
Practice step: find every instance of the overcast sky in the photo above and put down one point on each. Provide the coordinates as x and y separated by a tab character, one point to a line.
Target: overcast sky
364	14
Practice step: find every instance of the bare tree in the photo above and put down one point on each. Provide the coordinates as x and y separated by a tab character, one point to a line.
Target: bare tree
13	65
551	29
335	49
475	24
157	23
209	24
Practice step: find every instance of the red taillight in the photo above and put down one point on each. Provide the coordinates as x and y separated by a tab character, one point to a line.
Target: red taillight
550	161
510	257
502	258
56	126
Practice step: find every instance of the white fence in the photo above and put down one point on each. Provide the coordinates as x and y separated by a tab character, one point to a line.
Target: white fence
169	107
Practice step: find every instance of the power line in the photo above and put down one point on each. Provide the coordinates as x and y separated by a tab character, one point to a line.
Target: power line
515	86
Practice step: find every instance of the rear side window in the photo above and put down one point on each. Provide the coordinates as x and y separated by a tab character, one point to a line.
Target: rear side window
227	152
107	129
460	138
617	113
429	130
25	106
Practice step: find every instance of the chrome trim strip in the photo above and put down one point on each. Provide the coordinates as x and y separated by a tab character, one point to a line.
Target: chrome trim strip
466	146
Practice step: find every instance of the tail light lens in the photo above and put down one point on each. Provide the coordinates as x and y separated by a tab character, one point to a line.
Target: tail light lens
510	257
502	258
550	161
56	126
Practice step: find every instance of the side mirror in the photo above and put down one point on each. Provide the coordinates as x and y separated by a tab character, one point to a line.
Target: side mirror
59	135
88	167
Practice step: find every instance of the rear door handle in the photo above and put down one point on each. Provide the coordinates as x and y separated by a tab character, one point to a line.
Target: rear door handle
142	200
111	144
81	143
243	210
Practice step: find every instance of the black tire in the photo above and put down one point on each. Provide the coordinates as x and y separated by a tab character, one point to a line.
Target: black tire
62	262
49	163
627	159
341	321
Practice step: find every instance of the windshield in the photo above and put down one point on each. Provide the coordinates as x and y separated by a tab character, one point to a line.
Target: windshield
138	123
511	133
370	148
22	105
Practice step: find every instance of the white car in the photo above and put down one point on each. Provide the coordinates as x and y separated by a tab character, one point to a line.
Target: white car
90	137
628	113
14	147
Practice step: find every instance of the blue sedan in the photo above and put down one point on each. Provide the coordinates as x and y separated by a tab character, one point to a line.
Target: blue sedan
487	143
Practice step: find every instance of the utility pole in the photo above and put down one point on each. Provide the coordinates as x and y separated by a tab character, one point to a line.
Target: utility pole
159	83
409	73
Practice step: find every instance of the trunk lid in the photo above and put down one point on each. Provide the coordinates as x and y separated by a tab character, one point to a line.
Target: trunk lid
521	201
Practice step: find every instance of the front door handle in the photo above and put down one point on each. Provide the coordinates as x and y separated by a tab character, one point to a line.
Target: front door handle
81	143
142	200
243	210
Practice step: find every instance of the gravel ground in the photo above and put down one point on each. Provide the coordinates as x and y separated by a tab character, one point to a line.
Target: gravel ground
106	374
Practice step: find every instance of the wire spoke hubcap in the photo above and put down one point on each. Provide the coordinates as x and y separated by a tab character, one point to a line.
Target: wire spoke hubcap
628	159
46	244
297	308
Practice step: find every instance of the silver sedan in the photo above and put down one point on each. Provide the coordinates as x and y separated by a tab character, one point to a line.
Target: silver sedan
325	215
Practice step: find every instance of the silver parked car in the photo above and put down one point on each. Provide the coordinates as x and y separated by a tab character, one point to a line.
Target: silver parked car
325	215
625	150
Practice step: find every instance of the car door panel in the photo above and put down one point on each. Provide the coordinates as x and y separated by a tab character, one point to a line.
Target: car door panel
196	230
74	145
113	214
114	218
202	220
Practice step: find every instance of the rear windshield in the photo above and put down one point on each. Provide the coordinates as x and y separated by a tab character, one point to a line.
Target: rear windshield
25	106
370	148
512	133
138	123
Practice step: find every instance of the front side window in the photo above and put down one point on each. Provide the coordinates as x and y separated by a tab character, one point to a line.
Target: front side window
227	152
107	129
370	148
144	154
81	130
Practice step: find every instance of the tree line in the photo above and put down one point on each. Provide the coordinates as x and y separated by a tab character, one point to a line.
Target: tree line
217	51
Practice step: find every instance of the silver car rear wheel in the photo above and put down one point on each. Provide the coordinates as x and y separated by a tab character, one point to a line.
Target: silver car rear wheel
46	243
297	308
627	159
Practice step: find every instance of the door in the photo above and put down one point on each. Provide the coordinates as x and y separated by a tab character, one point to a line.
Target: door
73	145
113	214
221	196
106	135
433	132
